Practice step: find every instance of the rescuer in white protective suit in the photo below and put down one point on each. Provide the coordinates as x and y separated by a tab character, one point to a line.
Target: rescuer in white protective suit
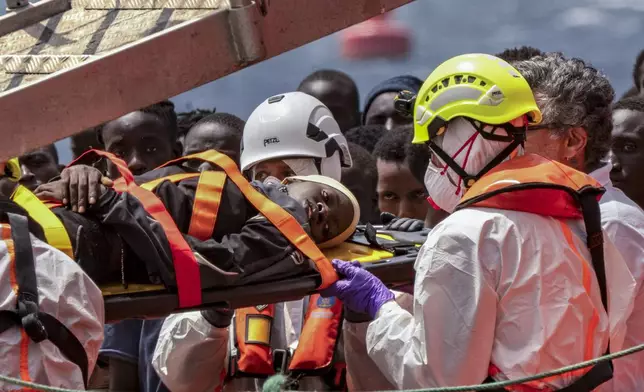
507	285
51	312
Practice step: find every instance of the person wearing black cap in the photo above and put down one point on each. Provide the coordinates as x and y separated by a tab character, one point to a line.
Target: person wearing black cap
379	107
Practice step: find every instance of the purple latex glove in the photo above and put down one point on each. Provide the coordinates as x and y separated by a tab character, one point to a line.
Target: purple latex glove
359	290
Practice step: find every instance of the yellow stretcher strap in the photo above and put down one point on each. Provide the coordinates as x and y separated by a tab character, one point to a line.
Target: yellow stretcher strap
207	199
206	204
280	218
54	229
174	178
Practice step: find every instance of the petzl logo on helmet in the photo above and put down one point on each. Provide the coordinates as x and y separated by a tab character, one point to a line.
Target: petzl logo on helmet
326	302
261	307
271	140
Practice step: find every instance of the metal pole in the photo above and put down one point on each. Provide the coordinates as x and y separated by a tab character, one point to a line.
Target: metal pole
166	64
23	14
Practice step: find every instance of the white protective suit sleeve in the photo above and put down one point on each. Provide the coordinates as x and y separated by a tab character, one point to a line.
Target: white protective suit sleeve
623	223
362	372
479	260
64	291
191	355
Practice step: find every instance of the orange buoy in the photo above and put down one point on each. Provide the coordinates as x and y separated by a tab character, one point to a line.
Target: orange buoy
376	37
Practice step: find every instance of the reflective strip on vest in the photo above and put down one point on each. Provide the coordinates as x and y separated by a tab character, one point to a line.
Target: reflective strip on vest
281	219
317	342
186	269
534	184
253	327
55	232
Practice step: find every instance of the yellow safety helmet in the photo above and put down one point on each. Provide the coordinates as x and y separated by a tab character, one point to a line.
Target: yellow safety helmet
478	86
11	169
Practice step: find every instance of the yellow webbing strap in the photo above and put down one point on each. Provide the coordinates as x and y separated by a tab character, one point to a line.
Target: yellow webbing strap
206	204
280	218
174	178
54	229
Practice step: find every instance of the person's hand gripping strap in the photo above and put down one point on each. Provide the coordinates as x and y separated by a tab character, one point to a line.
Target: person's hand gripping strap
281	219
358	289
186	268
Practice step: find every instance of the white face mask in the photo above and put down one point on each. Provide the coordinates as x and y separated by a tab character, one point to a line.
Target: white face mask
469	150
302	166
299	166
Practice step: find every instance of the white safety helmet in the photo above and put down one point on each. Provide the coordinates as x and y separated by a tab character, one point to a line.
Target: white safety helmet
295	125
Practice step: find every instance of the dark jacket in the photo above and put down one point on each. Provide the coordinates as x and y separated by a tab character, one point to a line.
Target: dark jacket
243	242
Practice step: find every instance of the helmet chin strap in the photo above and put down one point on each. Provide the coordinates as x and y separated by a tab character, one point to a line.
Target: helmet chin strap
517	139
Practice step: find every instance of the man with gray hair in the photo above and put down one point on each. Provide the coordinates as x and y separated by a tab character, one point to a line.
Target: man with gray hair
575	101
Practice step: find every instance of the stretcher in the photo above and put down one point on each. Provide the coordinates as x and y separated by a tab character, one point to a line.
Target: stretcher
389	255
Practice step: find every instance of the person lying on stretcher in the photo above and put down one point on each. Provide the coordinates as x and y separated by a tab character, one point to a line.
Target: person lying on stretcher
242	241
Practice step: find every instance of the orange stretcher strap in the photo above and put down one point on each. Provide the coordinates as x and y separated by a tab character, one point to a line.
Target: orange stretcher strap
280	218
185	266
206	204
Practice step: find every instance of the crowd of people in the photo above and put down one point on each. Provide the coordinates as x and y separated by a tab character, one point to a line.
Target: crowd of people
522	164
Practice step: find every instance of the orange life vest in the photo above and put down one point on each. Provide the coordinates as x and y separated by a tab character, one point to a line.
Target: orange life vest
253	356
534	184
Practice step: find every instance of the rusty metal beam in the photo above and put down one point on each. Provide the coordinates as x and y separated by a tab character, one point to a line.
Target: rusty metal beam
167	64
20	18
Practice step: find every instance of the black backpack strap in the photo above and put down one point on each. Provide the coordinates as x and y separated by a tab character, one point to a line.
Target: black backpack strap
601	372
67	343
595	239
38	325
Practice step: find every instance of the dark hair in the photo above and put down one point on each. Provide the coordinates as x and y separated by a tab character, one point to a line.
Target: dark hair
51	149
337	77
362	179
84	141
571	93
631	103
396	85
366	136
637	72
631	92
187	120
396	146
363	163
519	53
164	110
226	119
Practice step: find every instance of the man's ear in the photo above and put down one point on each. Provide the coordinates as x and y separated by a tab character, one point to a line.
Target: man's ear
576	142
